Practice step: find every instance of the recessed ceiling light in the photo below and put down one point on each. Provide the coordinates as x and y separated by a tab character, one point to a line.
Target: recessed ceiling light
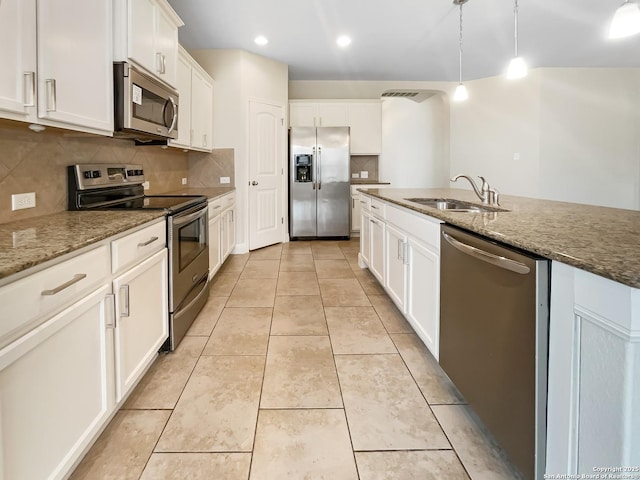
261	40
343	41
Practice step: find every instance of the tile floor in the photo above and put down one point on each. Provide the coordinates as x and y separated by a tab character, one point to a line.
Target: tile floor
299	367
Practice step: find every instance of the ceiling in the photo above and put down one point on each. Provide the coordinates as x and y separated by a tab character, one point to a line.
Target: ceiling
408	39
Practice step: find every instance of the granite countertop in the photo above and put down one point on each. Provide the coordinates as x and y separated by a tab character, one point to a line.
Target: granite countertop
209	192
27	243
604	241
367	181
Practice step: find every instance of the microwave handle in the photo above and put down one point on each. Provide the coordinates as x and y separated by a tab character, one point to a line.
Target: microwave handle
175	115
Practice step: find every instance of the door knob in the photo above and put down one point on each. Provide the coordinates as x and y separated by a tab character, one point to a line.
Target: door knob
254	183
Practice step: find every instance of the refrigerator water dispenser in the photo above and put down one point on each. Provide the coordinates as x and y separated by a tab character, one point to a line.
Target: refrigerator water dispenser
303	168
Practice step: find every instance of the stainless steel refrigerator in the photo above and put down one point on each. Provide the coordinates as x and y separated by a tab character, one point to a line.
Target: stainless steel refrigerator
319	184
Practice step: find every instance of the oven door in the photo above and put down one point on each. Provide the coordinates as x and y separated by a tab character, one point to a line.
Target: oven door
189	262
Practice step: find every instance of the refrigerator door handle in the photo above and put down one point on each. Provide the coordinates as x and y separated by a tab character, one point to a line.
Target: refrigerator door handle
313	185
319	168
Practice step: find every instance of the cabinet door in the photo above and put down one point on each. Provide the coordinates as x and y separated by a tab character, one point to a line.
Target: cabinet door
228	234
396	268
376	234
215	259
56	391
365	120
183	80
202	111
166	47
75	63
232	230
18	56
141	34
302	114
142	323
355	213
365	241
332	115
423	294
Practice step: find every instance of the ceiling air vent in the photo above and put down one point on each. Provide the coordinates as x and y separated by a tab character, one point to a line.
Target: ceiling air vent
415	95
400	94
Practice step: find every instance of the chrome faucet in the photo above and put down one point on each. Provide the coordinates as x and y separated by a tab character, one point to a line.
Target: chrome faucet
488	195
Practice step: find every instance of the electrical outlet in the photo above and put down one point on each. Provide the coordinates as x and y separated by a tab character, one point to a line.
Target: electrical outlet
184	181
516	156
145	185
225	179
23	200
364	174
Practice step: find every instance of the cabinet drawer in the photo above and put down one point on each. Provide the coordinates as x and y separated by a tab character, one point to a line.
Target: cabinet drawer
378	208
137	246
365	202
27	302
426	228
228	200
215	207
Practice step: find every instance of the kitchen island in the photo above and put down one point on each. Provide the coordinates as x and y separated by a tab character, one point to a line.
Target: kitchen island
593	394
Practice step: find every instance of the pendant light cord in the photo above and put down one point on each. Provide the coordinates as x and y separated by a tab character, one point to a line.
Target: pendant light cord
460	42
515	25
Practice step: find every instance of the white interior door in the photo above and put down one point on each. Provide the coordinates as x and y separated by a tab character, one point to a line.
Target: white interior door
266	170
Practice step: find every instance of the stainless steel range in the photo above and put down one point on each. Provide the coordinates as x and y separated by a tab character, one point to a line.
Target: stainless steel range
116	186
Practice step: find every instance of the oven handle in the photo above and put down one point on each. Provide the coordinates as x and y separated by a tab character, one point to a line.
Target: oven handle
179	220
203	289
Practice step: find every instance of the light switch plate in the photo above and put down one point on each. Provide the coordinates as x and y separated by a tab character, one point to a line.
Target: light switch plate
364	174
225	180
145	185
184	181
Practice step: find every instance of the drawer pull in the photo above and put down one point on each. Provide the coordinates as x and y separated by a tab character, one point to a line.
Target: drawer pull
59	288
216	207
373	206
363	202
148	242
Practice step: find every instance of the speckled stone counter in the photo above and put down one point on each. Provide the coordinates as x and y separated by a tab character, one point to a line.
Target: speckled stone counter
210	193
600	240
356	181
27	243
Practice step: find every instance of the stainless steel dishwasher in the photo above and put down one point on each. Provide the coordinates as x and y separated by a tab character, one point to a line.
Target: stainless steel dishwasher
494	317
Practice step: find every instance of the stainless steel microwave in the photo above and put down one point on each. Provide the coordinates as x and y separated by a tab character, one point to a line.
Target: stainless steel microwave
144	107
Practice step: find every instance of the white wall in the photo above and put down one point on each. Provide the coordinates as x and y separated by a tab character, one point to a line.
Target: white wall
239	77
415	142
577	132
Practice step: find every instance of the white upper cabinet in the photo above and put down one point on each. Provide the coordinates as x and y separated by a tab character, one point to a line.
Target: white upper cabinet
365	120
195	109
146	32
18	57
44	48
364	117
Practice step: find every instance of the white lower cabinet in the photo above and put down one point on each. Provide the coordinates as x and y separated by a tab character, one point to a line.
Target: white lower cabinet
356	211
215	259
396	267
56	390
141	319
423	293
402	250
376	255
365	234
228	226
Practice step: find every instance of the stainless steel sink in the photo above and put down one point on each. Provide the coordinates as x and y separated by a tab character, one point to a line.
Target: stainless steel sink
453	205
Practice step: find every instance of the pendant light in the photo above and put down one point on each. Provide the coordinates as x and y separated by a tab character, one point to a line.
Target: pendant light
626	20
461	94
517	66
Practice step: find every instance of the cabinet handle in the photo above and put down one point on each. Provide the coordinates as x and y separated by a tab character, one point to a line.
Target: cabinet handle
400	249
405	253
217	207
124	295
160	63
232	216
51	94
373	221
148	242
30	89
363	202
353	203
375	208
76	278
110	303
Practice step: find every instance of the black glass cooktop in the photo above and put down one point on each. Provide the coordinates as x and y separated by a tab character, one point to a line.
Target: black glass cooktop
171	203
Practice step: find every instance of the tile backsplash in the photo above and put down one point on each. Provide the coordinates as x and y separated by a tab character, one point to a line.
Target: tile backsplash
368	163
205	169
36	162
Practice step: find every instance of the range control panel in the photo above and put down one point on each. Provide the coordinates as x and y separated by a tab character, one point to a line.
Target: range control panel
106	175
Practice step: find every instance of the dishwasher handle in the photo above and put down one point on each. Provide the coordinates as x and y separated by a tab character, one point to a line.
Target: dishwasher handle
491	258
